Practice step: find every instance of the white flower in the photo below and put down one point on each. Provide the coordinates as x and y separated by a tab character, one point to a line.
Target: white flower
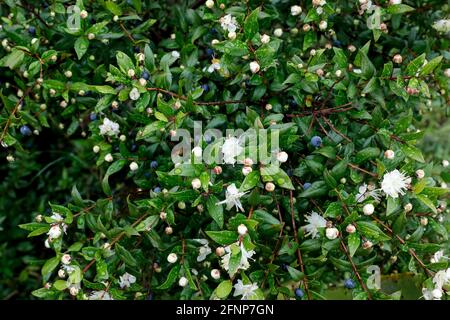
296	10
100	295
331	233
134	94
368	209
232	196
438	256
175	54
427	294
254	67
204	250
364	192
395	183
109	128
57	217
126	280
215	65
445	163
228	23
442	25
243	264
441	278
265	38
315	221
244	290
209	3
231	149
54	232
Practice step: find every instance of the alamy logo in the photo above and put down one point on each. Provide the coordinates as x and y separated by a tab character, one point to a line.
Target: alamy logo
73	19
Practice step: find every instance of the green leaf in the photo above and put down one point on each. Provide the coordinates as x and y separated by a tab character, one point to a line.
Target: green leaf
399	8
113	8
334	210
367	154
236	48
224	289
125	255
317	189
426	201
148	224
215	211
295	274
81	46
250	181
414	65
125	63
113	168
60	285
13	59
371	230
353	243
223	237
412	152
171	278
49	266
430	66
251	26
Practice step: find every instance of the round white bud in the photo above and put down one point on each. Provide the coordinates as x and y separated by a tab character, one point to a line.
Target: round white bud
265	38
162	215
183	282
66	258
420	174
368	209
246	170
278	32
408	207
131	73
168	230
209	4
96	149
282	156
196	183
296	10
172	258
389	154
270	187
350	228
215	274
331	233
109	157
254	67
134	166
232	35
242	229
83	14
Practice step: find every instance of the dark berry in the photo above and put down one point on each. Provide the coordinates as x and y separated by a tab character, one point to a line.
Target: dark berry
153	164
290	172
145	75
213	30
337	43
210	52
133	147
293	103
307	185
157	190
205	87
316	141
349	284
299	293
32	30
284	267
93	116
25	131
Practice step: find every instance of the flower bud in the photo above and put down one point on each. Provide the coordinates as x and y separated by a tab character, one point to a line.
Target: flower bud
296	10
282	156
368	209
408	207
183	282
232	35
268	107
196	183
73	291
420	174
131	73
332	233
66	258
424	221
248	162
270	187
397	59
242	229
254	66
350	228
323	25
83	14
168	230
367	244
389	154
109	158
265	38
215	274
96	149
220	251
133	166
91	36
246	170
278	32
172	258
217	170
61	273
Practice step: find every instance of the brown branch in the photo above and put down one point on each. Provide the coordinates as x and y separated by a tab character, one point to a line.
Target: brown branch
334	129
16	108
299	254
403	242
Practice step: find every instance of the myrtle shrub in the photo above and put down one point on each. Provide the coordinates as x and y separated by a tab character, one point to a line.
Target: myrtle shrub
225	149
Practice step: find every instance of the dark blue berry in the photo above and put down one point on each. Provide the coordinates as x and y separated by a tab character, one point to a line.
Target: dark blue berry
205	87
93	116
209	52
349	284
208	139
32	30
299	293
293	103
213	30
25	131
133	147
290	172
145	75
307	185
137	49
337	43
153	164
316	141
157	190
284	267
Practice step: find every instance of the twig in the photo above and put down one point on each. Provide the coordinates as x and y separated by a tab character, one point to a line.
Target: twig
299	254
